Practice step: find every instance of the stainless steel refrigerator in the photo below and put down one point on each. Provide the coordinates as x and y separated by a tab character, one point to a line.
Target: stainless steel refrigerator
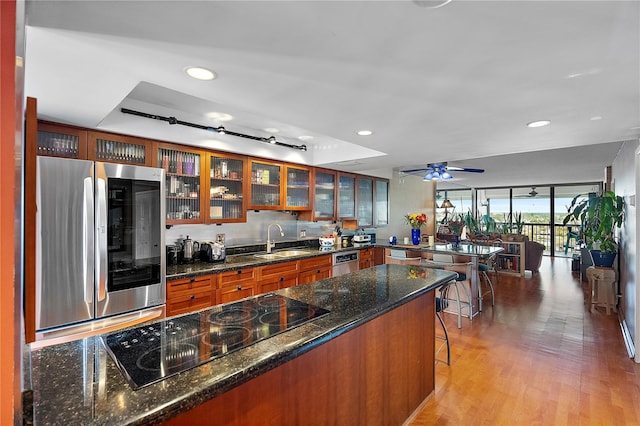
99	244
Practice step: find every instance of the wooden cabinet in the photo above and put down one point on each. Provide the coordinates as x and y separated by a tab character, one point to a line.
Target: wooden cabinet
226	189
235	285
365	200
183	173
314	269
123	149
265	192
190	294
381	202
58	140
378	256
346	196
298	188
511	260
366	258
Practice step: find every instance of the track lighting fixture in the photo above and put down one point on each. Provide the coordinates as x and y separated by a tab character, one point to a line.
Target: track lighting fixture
220	130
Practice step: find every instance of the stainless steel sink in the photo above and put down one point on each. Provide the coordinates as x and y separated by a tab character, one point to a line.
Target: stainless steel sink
287	253
282	254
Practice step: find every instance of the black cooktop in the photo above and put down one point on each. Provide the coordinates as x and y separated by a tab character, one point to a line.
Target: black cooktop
150	353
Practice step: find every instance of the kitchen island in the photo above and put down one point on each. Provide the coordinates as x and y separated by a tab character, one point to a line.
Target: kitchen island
369	360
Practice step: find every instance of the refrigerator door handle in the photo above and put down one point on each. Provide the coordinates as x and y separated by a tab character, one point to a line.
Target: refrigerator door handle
101	237
87	240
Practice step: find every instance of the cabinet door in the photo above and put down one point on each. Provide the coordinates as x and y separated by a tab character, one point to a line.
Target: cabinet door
266	190
114	148
381	214
346	196
61	141
226	189
365	201
298	188
183	170
325	195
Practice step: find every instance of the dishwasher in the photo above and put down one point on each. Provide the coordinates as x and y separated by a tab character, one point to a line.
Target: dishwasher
345	262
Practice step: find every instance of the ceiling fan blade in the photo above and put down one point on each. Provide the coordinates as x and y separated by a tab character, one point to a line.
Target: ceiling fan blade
416	170
465	169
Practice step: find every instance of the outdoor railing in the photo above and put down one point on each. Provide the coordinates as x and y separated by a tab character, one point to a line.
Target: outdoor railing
541	233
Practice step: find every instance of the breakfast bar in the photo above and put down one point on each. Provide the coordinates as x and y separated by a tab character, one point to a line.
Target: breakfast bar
365	356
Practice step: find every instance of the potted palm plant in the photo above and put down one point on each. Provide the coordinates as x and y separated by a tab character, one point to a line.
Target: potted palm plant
599	216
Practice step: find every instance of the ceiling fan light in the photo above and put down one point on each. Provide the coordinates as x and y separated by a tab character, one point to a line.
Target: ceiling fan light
446	176
429	176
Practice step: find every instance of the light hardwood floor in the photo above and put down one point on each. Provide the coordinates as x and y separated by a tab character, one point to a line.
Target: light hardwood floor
538	357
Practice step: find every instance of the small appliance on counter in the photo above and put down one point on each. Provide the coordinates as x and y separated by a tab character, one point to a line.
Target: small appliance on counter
361	239
212	251
189	249
174	254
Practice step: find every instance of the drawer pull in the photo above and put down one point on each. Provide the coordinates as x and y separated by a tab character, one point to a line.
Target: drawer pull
239	271
193	279
239	288
192	297
281	278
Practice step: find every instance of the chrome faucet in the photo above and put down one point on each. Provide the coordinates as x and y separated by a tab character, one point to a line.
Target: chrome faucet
271	244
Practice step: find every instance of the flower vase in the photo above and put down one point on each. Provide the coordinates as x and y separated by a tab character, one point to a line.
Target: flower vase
415	236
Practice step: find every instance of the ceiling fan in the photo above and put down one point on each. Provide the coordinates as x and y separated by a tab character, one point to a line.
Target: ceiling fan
532	194
440	171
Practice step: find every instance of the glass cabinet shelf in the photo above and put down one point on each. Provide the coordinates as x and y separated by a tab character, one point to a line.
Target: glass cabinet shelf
265	185
182	186
226	186
298	188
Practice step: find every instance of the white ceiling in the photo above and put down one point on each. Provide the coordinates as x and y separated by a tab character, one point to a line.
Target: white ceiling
456	83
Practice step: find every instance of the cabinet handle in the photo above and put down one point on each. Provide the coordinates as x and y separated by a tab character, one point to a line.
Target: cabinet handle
239	288
318	271
281	278
239	271
193	279
192	297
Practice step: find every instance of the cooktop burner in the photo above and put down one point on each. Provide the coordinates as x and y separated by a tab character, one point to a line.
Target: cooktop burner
150	353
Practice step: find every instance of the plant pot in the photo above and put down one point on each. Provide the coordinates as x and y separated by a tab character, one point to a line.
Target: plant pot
602	259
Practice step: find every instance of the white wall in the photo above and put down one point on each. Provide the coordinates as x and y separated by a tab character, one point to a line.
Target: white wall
626	181
408	194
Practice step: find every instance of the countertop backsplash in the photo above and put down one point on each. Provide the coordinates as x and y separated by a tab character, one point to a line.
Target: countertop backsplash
254	231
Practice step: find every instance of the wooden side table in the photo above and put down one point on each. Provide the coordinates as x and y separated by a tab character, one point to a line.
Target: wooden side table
602	282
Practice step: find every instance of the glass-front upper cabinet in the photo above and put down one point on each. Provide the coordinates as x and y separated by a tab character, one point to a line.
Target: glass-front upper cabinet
226	189
346	196
365	201
266	191
298	189
381	213
57	140
183	171
325	195
114	148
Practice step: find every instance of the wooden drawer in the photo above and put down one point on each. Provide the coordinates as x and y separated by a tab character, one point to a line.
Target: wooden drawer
277	282
232	293
315	274
277	269
315	262
189	285
190	302
365	263
366	253
233	278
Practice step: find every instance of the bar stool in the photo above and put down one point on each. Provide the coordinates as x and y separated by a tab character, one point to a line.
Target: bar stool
570	236
483	268
602	282
463	270
445	337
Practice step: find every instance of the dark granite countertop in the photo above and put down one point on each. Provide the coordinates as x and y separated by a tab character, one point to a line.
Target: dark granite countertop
78	383
246	260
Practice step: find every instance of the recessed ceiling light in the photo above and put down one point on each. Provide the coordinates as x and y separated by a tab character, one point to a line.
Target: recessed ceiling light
595	118
200	73
271	130
540	123
365	132
220	116
305	138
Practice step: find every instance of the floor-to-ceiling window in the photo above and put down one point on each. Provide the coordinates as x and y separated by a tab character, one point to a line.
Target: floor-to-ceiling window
537	210
459	200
